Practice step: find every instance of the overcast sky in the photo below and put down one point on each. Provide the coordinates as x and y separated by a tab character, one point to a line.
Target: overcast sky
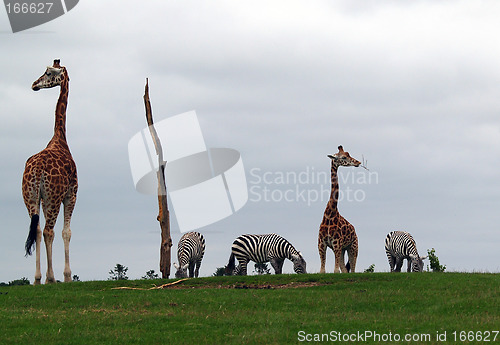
411	87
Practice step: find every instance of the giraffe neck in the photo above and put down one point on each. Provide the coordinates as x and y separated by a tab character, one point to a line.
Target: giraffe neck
334	195
60	121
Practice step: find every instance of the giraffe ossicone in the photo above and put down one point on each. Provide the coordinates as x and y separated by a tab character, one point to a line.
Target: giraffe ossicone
50	179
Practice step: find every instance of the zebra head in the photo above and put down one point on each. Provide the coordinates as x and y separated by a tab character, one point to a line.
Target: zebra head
299	264
417	263
181	270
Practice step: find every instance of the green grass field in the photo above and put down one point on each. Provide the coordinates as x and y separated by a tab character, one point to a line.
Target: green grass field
285	309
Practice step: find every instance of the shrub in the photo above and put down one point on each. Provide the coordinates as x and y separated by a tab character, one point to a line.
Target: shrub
434	261
261	268
22	281
151	275
220	271
118	273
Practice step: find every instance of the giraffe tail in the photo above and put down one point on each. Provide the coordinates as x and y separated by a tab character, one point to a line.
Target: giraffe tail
230	265
348	266
30	241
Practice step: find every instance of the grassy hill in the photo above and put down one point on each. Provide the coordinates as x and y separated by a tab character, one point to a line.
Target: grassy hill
380	308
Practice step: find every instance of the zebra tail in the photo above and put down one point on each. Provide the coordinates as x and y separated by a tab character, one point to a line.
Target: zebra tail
230	265
30	241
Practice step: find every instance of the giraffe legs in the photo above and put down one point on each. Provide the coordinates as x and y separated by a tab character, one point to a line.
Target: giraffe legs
340	265
38	271
32	199
352	253
322	255
50	214
48	237
339	261
69	205
66	235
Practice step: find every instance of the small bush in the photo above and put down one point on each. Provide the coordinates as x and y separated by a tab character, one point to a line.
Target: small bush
118	273
22	281
151	275
220	271
434	261
261	268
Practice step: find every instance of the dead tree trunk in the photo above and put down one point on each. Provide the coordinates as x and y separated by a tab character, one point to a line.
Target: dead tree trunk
163	216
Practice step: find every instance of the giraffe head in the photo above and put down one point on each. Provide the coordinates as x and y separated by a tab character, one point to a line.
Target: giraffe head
181	271
54	75
342	158
417	263
299	264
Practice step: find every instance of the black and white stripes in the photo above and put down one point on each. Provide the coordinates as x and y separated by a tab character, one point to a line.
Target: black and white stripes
190	252
400	245
272	248
263	248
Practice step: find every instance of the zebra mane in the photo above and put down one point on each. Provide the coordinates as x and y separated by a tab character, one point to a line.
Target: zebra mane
291	250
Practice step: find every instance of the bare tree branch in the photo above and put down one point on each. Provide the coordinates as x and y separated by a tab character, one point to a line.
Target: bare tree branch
163	216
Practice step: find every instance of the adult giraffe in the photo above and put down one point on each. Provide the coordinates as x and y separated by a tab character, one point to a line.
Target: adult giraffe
50	179
335	231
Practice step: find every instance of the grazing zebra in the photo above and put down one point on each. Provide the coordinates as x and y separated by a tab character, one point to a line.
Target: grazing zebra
190	253
263	248
400	245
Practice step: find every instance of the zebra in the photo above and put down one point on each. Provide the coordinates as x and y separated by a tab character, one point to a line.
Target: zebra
263	248
400	245
190	253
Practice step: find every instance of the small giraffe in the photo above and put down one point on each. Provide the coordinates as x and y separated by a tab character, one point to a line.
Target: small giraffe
335	231
50	179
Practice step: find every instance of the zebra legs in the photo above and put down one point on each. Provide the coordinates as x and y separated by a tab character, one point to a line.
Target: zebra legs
399	263
197	270
191	270
242	267
396	263
277	265
194	269
391	259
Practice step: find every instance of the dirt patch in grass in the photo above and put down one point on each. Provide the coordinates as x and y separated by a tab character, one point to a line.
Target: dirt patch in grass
292	285
242	286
